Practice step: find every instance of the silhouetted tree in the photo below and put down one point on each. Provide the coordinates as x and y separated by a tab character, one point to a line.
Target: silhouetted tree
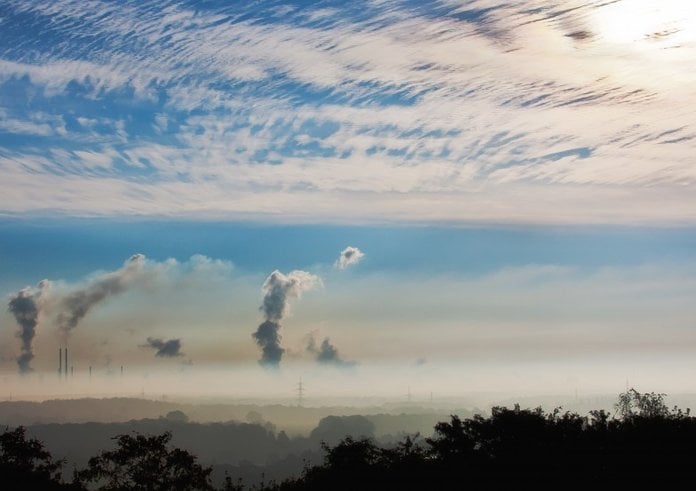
347	465
633	404
520	448
645	443
25	464
146	463
230	485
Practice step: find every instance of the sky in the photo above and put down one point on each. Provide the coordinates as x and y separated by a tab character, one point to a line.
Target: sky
496	192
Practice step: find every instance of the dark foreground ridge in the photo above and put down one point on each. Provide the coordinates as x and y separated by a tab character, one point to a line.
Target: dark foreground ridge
642	442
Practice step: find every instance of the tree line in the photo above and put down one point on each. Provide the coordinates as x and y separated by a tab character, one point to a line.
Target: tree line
642	442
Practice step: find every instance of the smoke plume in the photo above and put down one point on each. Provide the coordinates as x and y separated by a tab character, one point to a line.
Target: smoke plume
278	289
165	349
349	256
75	305
326	353
25	305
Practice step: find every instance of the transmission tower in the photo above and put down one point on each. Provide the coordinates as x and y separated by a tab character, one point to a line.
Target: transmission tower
300	392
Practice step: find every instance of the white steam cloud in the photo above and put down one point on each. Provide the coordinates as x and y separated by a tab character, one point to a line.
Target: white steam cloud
76	304
26	306
169	348
278	289
349	257
326	352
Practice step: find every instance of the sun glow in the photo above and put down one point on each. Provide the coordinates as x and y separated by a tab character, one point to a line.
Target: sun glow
661	24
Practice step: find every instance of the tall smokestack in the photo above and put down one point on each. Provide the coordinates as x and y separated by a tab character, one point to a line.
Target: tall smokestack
60	361
65	366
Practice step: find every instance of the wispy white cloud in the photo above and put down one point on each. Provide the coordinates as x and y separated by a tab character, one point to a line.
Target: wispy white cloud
35	124
464	112
349	256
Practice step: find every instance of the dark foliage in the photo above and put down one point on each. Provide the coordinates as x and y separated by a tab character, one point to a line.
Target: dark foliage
643	443
519	448
145	463
26	465
332	429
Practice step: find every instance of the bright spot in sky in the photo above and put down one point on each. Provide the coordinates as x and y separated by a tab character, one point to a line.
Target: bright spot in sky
663	24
